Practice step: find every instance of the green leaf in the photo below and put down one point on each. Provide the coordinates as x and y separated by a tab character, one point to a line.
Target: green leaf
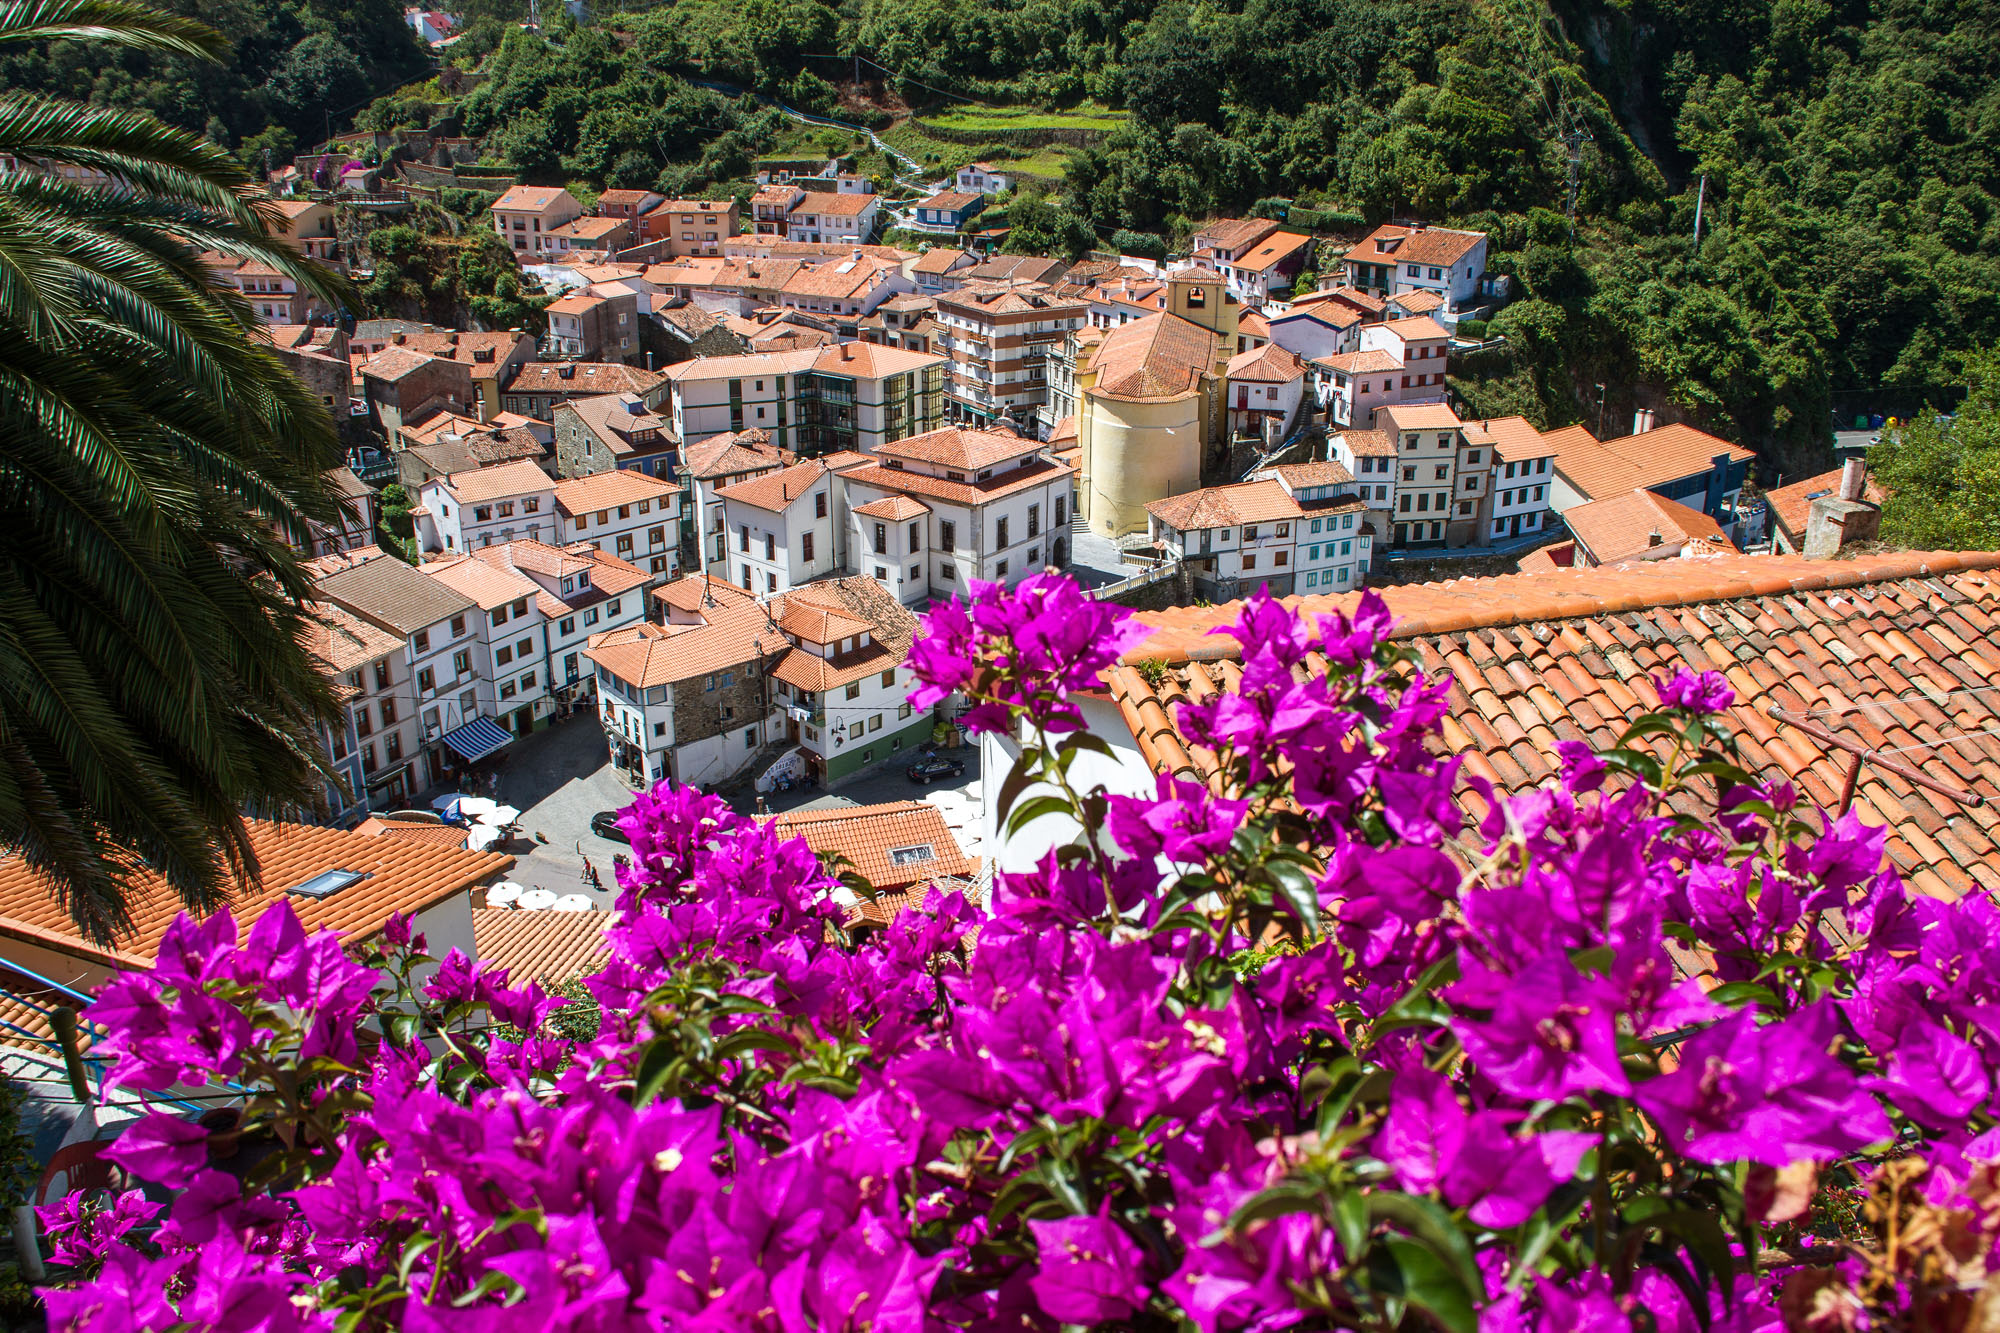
1019	777
1034	809
1297	889
1430	1223
1429	1281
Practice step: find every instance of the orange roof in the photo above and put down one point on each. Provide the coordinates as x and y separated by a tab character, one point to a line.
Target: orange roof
894	508
1226	506
1892	649
1254	324
959	492
776	491
1419	416
532	199
589	228
583	377
837	205
1299	476
1620	527
819	624
1791	506
1417	328
808	671
603	490
401	875
1228	233
1368	362
575	305
541	946
1269	364
609	575
501	481
438	835
1655	458
487	585
344	641
728	455
867	835
950	200
1273	250
959	447
943	259
1160	356
1064	430
871	360
734	631
1512	438
1415	244
1368	443
1416	302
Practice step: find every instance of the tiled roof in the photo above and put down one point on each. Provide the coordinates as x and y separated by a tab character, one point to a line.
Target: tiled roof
959	492
1417	328
610	418
1254	324
401	876
436	835
862	599
487	585
894	508
1791	506
943	259
609	575
392	593
866	834
1620	527
776	491
1228	233
816	623
343	641
1352	297
871	360
837	205
1064	430
1369	443
393	363
1415	245
531	198
624	198
549	947
1655	458
1895	649
462	346
501	481
958	446
1028	268
1226	506
1298	476
1273	250
731	455
1416	302
846	280
589	228
583	377
601	490
1419	416
1269	364
950	200
808	671
1160	356
1010	298
576	305
1512	438
645	655
1368	362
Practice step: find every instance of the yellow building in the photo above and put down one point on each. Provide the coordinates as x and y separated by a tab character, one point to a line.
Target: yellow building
1150	403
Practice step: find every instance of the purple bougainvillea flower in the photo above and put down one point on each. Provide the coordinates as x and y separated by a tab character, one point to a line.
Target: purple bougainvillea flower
1697	692
1935	1077
1088	1269
162	1148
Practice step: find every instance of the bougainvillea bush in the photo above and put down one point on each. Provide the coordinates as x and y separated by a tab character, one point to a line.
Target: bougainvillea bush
1654	1046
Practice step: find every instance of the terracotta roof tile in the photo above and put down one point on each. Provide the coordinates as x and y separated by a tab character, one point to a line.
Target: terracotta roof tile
401	875
868	836
959	447
777	491
1655	458
1415	245
1791	505
619	486
550	947
1269	364
502	480
1624	527
1226	506
1160	356
1535	660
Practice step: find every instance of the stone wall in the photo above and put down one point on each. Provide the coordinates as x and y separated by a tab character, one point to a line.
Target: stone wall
698	712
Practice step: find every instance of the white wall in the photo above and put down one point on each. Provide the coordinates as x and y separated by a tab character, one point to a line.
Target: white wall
1126	775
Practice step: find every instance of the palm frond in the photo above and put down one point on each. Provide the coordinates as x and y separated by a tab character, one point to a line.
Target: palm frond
113	21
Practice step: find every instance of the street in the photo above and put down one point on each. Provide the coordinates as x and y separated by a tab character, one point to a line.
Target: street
560	776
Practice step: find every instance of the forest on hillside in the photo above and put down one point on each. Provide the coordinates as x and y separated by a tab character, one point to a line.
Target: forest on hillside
1846	153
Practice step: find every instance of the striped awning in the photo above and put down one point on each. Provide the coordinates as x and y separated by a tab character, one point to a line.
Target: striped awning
477	739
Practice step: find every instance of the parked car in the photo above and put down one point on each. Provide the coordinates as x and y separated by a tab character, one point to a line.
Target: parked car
605	825
931	770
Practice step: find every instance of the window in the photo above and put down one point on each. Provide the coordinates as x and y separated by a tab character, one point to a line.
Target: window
916	535
1404	506
524	647
1034	520
889	679
422	640
875	722
806	548
948	535
569	667
854	690
1436	274
1000	572
1034	556
770	583
1413	270
482	514
1284	529
1312	580
881	539
528	681
1000	534
1249	532
506	509
1442	470
1249	560
507	690
502	656
499	615
426	680
1281	559
1061	507
743	537
770	546
368	764
566	626
457	626
745	580
1472	458
819	504
707	683
461	663
1315	526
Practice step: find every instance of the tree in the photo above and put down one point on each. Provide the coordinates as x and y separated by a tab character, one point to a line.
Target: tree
1039	226
154	681
1943	477
320	73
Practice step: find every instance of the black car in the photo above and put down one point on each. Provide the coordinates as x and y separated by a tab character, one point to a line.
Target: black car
605	825
930	770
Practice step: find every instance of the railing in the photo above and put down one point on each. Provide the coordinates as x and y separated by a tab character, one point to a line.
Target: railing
1159	573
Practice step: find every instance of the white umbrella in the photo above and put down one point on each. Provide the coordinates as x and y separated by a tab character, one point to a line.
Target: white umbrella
447	801
534	900
500	816
574	902
503	894
481	836
475	806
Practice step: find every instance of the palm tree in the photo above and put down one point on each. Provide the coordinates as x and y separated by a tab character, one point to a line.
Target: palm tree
154	456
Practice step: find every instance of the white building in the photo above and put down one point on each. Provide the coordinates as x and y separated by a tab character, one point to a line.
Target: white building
466	510
719	461
836	219
1401	257
624	513
853	395
1428	446
845	684
582	591
997	508
979	178
509	641
1522	479
1266	387
1294	528
783	529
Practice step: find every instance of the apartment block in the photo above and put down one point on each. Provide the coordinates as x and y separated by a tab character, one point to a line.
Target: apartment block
998	336
850	396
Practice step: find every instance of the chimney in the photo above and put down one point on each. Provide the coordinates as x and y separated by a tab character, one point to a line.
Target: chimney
847	351
1654	538
1843	518
1854	479
567	370
855	254
1643	420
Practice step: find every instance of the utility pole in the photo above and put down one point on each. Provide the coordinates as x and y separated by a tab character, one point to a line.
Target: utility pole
1700	197
1574	138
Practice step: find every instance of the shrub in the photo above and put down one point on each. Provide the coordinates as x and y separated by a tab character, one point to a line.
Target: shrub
1304	1048
1143	244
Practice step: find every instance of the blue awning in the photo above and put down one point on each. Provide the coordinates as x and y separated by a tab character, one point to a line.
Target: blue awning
477	739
